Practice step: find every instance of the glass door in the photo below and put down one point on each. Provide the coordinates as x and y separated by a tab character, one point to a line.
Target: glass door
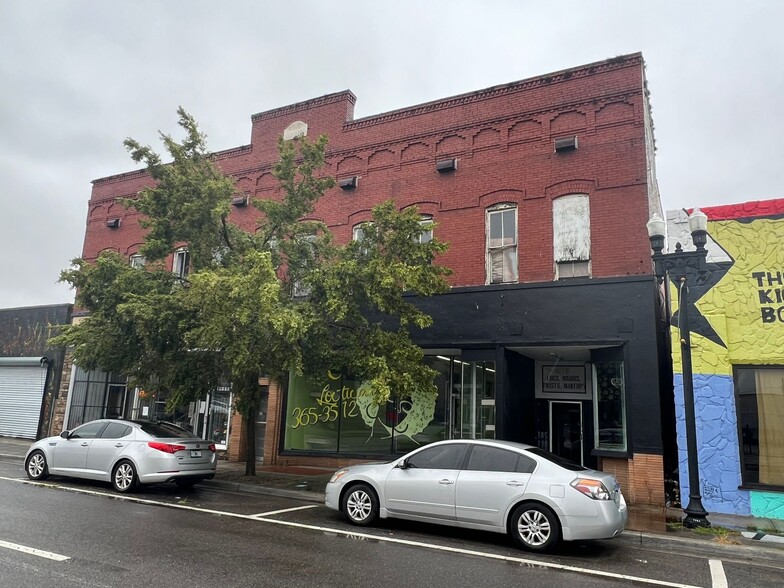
473	401
566	430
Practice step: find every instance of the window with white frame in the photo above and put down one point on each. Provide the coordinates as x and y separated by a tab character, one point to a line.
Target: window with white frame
299	287
572	236
358	234
501	231
137	261
181	263
426	223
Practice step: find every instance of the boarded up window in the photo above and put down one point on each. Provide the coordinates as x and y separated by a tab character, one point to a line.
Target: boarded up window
572	236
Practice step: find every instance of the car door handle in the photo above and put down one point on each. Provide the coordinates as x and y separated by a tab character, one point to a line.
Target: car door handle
85	443
515	483
446	482
119	444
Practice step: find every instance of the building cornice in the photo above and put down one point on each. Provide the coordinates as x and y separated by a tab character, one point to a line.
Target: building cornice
306	105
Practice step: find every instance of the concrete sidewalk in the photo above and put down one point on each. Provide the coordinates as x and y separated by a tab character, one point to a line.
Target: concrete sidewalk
645	524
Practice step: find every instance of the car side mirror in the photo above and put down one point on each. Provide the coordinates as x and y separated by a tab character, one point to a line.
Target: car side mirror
402	464
65	434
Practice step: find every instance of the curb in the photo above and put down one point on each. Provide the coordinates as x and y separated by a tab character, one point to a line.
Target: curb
756	551
253	489
767	537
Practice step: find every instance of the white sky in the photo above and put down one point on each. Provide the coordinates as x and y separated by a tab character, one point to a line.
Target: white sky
77	77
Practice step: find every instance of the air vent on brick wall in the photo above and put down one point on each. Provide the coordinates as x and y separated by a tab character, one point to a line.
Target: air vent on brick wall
113	223
565	144
348	183
240	200
446	165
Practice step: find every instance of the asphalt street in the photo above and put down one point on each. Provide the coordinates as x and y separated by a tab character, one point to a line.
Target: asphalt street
75	533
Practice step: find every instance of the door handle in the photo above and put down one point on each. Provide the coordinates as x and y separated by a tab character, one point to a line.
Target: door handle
85	443
118	444
446	482
515	483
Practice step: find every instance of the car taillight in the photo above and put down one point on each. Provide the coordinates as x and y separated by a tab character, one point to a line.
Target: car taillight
166	447
212	447
592	488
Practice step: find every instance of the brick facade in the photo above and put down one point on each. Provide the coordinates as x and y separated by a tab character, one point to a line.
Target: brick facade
503	140
641	478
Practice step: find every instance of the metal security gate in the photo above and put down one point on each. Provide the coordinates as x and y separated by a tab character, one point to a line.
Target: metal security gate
22	382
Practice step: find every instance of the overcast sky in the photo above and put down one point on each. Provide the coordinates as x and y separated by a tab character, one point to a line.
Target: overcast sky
77	77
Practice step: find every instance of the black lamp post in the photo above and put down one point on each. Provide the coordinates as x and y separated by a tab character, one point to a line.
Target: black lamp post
686	268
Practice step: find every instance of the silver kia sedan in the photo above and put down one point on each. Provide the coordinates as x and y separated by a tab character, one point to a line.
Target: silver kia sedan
125	453
501	486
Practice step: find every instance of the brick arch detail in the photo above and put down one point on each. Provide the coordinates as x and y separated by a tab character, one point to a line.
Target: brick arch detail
487	138
451	144
430	207
382	158
415	151
570	187
351	163
133	248
501	197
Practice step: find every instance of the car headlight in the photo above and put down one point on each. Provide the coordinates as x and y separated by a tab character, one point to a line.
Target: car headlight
337	475
592	488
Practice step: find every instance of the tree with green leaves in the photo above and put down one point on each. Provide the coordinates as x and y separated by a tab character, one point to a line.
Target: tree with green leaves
284	298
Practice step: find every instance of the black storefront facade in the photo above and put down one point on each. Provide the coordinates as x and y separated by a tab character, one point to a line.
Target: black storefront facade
572	366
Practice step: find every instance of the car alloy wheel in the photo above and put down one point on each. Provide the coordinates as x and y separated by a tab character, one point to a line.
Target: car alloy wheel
360	505
535	527
124	477
36	466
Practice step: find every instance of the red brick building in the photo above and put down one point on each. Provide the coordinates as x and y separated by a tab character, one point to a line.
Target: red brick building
551	334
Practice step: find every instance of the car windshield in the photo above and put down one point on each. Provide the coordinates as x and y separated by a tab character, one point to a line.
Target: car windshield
557	459
165	430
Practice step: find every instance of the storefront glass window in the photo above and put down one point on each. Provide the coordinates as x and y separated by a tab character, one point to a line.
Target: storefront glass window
217	427
610	406
342	417
96	394
760	398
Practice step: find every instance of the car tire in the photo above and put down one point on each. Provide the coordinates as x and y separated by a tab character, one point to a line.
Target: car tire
36	466
124	477
535	527
360	505
186	484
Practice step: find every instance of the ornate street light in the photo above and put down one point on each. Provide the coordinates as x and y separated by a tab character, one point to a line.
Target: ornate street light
687	268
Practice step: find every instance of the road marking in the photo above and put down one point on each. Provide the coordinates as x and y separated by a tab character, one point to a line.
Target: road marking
718	578
281	511
354	534
33	551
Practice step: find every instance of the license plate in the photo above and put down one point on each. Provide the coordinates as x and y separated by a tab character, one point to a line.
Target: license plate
195	453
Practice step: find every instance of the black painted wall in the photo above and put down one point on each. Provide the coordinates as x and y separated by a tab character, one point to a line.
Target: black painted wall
586	312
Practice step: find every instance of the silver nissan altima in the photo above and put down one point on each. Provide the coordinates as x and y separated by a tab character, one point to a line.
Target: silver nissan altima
501	486
125	453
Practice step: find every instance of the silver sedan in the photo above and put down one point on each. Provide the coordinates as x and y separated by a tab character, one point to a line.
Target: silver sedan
125	453
499	486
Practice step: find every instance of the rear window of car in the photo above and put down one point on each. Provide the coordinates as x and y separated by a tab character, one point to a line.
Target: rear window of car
556	459
165	430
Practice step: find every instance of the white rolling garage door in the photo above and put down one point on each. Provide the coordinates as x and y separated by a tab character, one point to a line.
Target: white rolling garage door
22	381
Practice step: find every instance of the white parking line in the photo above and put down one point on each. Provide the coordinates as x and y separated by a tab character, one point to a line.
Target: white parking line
274	512
718	578
354	534
33	551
